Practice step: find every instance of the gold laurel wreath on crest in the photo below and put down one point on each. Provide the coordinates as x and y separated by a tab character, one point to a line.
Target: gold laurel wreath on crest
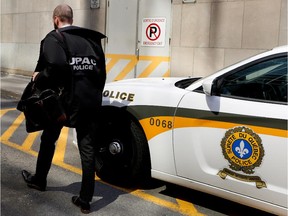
233	165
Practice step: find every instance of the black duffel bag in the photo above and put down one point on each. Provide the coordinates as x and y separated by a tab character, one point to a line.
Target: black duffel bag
41	108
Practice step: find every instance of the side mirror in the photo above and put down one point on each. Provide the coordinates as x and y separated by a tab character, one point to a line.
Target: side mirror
207	86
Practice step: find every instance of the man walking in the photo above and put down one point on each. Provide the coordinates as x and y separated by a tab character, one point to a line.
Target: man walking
71	58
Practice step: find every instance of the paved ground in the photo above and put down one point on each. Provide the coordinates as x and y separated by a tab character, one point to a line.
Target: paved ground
13	85
19	152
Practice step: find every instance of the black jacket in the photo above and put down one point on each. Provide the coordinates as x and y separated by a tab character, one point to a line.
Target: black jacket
72	58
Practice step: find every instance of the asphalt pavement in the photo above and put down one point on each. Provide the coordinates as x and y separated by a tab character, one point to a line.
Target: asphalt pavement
18	199
12	85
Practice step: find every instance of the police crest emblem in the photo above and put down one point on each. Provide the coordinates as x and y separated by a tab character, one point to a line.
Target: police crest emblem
244	151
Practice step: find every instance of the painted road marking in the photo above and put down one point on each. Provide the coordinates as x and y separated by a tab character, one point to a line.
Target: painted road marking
3	112
61	145
28	142
180	206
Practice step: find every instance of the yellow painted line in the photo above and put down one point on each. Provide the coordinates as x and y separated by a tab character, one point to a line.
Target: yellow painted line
167	74
61	145
154	58
8	133
148	70
155	61
129	67
19	147
111	64
115	58
11	130
28	142
180	206
188	208
2	112
68	166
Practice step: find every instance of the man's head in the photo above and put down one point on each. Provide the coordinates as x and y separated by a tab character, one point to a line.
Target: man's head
62	15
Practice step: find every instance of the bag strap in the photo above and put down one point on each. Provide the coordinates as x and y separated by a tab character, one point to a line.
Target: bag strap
63	42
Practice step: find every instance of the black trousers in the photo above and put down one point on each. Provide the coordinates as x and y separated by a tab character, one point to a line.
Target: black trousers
86	130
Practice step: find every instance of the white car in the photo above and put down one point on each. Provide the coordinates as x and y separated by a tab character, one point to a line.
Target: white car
225	134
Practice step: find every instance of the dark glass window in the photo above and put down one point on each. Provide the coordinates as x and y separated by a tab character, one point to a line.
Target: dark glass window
266	80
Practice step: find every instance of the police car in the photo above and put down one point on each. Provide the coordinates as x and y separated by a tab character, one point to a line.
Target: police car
225	134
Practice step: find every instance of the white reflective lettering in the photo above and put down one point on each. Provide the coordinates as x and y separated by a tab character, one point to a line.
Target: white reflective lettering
78	59
93	61
85	61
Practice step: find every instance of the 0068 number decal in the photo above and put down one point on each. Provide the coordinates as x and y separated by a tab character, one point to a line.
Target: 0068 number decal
161	123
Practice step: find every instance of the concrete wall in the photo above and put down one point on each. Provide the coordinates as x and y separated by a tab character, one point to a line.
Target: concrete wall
206	36
211	34
24	23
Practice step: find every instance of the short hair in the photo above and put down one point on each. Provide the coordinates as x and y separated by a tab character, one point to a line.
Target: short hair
64	12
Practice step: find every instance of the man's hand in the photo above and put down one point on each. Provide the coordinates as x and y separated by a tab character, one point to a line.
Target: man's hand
34	75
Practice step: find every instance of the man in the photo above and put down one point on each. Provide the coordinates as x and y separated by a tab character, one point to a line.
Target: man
71	58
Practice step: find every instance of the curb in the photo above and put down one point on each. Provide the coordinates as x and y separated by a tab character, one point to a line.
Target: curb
12	85
10	94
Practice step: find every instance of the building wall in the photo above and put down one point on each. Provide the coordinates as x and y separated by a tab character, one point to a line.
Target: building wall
211	34
24	23
206	36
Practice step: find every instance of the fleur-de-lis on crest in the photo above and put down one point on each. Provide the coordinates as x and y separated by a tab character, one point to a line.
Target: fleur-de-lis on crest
241	149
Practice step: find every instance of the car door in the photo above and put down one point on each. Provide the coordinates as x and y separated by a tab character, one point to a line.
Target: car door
235	140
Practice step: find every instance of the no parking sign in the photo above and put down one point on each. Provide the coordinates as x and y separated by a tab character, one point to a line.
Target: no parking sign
153	32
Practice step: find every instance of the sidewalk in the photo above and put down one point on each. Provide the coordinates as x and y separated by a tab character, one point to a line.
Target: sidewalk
13	85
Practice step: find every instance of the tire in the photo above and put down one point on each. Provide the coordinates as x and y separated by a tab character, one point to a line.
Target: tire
123	156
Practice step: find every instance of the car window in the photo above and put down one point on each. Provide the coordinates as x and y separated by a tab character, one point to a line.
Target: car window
266	80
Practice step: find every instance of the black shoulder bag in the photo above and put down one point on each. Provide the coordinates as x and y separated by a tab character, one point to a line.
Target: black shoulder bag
42	108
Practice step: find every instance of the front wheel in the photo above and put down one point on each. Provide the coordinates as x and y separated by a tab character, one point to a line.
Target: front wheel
123	154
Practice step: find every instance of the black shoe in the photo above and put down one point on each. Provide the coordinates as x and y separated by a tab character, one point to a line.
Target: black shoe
32	181
83	205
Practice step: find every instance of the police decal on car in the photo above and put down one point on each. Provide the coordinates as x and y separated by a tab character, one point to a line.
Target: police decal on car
119	95
244	151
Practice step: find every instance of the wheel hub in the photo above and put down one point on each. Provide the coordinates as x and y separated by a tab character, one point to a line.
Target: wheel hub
115	148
